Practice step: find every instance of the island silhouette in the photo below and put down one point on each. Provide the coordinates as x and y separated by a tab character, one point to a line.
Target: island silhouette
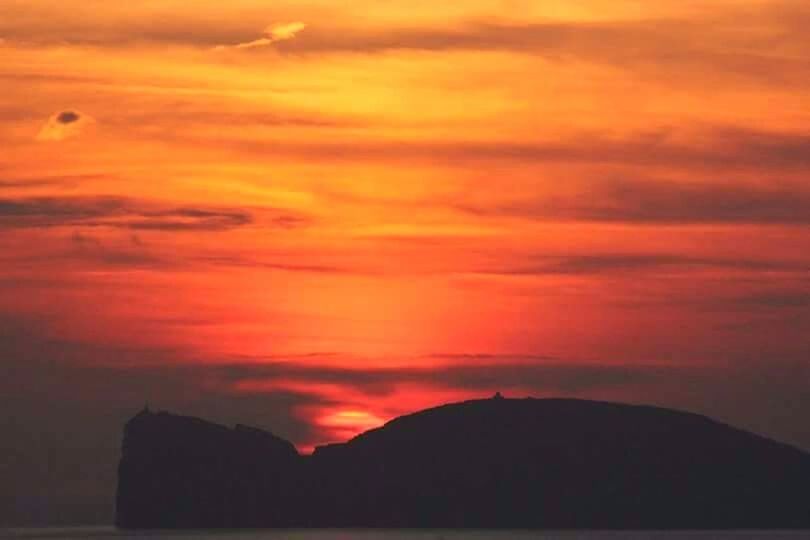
489	463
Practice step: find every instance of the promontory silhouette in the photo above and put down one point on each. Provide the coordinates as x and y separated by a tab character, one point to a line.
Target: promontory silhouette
493	463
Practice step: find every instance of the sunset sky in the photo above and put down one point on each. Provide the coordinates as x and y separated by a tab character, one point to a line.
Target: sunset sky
314	216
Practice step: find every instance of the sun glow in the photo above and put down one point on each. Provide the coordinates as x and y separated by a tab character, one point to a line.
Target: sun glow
345	424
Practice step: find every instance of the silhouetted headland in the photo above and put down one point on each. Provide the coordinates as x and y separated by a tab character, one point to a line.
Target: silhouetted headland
494	463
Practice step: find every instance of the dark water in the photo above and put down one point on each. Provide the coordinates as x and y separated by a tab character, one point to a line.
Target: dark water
107	533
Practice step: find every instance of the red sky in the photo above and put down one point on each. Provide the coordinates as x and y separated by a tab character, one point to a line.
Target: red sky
317	216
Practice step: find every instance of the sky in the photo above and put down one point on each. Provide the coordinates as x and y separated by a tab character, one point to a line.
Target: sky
314	216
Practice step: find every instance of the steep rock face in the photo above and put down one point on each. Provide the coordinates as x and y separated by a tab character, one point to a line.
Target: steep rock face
181	472
485	463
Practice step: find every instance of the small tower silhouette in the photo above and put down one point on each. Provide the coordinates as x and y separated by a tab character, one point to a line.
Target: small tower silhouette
497	395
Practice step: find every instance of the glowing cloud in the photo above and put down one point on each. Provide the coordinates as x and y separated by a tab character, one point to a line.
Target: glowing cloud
273	34
63	125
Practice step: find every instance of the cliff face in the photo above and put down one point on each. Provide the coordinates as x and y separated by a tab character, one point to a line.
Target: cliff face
487	463
180	472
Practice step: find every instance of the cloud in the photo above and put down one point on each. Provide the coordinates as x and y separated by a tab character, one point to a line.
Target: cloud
32	183
498	372
64	181
241	261
776	299
273	34
187	219
715	149
726	43
711	47
68	117
657	202
90	249
115	212
63	125
622	263
281	32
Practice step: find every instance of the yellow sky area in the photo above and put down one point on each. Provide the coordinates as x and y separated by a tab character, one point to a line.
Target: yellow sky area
407	95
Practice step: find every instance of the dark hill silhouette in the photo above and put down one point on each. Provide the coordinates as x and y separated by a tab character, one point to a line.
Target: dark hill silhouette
506	463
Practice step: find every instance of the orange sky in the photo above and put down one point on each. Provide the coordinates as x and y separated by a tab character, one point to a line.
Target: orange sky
378	206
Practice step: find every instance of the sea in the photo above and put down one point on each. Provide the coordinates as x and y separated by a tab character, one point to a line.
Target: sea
109	533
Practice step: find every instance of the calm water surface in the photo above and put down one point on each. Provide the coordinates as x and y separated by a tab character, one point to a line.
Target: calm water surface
108	533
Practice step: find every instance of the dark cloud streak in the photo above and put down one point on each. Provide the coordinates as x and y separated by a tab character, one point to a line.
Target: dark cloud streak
624	263
665	203
125	213
711	45
711	42
32	183
555	376
722	149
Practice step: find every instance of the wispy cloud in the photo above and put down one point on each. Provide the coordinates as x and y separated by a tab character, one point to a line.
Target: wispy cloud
555	376
635	263
116	212
659	202
272	34
719	149
708	46
46	181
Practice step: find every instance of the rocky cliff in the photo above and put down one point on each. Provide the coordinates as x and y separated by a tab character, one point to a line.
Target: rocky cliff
487	463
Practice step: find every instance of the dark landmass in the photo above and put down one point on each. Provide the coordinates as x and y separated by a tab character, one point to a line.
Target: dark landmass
496	463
